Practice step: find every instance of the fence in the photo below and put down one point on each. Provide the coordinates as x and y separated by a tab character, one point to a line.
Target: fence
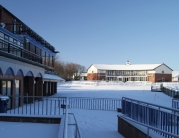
111	83
172	92
165	133
175	104
160	117
57	105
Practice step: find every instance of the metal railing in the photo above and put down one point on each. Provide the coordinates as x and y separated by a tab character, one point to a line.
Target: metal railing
109	104
175	104
172	92
160	117
164	133
77	133
111	83
38	105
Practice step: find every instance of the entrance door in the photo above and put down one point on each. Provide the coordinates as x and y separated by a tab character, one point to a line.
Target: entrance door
3	87
6	90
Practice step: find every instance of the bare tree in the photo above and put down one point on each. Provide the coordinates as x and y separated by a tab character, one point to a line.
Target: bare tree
68	71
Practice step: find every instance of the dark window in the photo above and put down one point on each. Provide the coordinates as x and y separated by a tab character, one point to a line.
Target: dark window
6	37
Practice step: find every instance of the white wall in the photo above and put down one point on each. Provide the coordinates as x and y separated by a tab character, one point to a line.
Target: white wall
163	68
151	71
92	69
16	65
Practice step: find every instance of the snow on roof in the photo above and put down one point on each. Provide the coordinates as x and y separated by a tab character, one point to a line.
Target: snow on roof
52	77
175	73
127	67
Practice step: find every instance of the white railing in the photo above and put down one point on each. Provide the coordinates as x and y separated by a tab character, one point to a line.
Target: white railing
111	83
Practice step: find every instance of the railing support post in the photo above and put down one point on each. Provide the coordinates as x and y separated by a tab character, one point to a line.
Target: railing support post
66	119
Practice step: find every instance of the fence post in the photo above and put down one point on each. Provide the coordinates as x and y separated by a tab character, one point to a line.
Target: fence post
147	132
147	114
66	118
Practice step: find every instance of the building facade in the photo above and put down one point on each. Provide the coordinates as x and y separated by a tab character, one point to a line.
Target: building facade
175	76
25	60
128	72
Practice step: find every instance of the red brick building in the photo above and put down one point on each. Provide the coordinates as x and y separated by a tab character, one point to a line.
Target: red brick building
129	72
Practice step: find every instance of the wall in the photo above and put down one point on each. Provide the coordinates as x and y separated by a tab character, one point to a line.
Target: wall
163	68
9	18
128	130
167	77
92	69
92	76
16	65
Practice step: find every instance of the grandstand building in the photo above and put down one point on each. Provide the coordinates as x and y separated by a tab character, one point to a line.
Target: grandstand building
129	72
26	61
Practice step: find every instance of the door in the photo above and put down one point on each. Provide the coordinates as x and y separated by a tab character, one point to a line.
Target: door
6	90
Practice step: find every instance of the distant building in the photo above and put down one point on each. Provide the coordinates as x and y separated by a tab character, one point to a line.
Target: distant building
83	76
129	72
175	76
26	61
80	76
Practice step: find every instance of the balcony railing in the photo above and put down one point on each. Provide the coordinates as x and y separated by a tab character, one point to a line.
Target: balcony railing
18	53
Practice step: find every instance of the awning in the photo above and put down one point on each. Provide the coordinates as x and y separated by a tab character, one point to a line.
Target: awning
50	77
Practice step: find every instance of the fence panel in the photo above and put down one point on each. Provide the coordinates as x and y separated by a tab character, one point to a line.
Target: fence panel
36	105
160	117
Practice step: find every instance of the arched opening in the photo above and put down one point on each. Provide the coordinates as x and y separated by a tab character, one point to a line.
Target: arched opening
20	73
9	71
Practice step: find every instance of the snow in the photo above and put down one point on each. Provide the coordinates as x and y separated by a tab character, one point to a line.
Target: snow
127	67
103	124
52	77
28	130
95	123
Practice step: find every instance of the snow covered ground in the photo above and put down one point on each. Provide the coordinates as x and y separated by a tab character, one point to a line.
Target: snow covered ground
103	124
96	123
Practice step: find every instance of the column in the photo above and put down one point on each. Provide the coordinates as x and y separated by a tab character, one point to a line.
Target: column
45	88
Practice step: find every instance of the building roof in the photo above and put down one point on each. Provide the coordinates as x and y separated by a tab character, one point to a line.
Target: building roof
50	77
128	67
175	73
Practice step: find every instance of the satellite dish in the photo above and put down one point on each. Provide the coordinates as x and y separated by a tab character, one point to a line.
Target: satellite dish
2	25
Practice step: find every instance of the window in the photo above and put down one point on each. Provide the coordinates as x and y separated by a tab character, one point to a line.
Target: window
10	39
18	43
1	35
21	45
1	45
15	42
6	37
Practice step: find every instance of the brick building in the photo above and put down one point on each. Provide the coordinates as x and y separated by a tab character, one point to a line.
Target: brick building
26	61
129	72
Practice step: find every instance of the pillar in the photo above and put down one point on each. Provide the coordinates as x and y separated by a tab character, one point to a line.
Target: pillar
45	88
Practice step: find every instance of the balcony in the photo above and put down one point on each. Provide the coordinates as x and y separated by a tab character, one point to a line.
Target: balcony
18	53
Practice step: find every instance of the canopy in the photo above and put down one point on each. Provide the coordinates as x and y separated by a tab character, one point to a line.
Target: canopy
50	77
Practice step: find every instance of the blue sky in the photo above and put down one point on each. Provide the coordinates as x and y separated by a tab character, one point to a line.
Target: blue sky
105	31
